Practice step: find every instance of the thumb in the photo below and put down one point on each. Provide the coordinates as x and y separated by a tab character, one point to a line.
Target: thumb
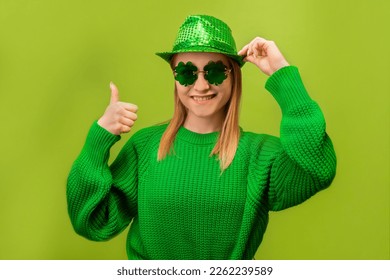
114	93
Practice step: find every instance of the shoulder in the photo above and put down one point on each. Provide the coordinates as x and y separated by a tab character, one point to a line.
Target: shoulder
249	137
148	134
157	129
254	142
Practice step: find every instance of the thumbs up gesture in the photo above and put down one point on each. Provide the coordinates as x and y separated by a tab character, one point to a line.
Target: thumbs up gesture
119	117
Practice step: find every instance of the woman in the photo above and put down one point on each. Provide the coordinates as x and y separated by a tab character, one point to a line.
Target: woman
199	187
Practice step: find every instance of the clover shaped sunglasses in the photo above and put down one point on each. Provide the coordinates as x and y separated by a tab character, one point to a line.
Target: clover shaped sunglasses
214	72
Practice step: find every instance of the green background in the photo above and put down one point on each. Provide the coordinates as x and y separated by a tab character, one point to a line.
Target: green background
58	57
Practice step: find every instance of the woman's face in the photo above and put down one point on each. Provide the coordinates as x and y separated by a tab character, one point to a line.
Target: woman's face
204	100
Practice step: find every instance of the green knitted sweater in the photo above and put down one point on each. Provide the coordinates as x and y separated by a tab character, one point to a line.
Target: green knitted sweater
183	207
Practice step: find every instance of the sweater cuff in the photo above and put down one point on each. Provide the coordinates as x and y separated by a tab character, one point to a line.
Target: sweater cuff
287	88
98	142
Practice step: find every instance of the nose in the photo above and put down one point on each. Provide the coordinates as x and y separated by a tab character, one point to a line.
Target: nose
201	84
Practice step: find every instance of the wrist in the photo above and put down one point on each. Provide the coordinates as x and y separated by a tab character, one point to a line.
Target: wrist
98	143
102	122
279	66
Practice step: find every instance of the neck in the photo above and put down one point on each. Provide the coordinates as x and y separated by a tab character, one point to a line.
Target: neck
203	125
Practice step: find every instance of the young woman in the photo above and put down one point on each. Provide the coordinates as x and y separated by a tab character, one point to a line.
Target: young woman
199	187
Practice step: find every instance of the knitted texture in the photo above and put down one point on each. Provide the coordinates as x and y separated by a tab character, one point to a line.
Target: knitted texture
183	207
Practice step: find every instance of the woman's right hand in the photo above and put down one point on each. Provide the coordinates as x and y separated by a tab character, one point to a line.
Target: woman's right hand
119	117
264	54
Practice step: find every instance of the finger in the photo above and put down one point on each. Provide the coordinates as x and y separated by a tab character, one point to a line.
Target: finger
252	48
126	121
130	115
258	40
255	51
260	45
129	107
114	93
249	50
244	50
250	59
125	129
259	50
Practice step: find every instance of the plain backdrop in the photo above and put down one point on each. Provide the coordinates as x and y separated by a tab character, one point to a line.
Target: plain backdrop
58	57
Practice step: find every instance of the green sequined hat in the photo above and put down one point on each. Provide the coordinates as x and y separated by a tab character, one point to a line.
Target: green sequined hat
202	33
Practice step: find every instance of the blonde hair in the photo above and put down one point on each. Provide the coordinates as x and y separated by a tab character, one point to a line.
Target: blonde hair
229	136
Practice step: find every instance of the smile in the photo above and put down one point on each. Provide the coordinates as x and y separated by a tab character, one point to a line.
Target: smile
203	98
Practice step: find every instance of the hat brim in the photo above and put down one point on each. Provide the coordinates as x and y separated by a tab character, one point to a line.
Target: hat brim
167	56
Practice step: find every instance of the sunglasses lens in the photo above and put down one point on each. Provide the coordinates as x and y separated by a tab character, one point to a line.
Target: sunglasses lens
216	72
185	74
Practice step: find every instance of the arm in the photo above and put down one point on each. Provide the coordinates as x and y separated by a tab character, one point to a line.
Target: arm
99	207
102	199
306	161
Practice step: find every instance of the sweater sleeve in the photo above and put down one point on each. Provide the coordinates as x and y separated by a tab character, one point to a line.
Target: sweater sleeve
306	162
102	198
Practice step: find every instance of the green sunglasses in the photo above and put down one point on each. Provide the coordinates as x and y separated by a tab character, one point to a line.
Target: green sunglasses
214	72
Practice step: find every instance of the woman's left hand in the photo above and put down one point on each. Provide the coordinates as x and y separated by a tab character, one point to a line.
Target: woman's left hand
264	54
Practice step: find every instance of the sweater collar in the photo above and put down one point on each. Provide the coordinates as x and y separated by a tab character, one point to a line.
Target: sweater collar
197	138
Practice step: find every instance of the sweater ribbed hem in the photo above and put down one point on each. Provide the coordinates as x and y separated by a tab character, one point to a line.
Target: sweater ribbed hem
98	142
287	88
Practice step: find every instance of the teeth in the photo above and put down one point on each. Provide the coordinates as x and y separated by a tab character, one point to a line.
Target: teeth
202	98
